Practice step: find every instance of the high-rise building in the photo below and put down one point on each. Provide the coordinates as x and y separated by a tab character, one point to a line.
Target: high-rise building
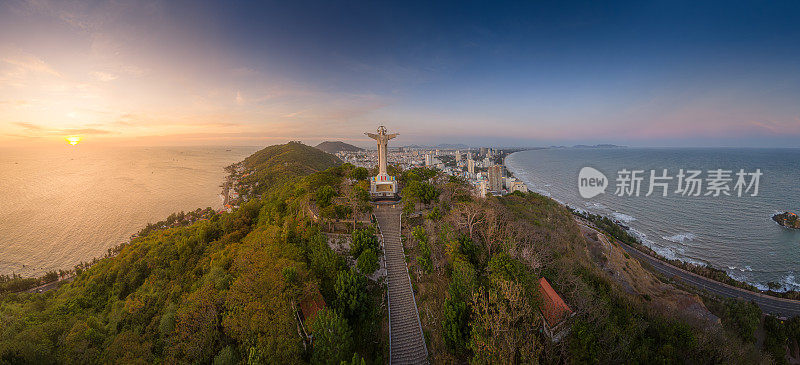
483	151
458	156
471	167
495	178
482	188
428	159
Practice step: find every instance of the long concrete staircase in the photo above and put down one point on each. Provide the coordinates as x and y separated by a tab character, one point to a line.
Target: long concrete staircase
406	341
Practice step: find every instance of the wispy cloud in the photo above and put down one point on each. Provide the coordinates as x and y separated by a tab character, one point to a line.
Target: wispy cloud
104	76
29	62
28	126
34	130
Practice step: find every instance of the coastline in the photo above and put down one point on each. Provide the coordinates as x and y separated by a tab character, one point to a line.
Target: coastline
39	283
694	266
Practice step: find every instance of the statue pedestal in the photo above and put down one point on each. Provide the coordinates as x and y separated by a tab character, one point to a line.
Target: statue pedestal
383	186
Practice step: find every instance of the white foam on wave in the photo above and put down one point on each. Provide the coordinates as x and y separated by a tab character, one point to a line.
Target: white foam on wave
594	205
741	277
680	238
622	217
790	283
669	253
580	210
786	283
664	252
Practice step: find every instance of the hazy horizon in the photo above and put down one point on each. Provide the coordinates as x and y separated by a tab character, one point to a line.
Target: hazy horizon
515	74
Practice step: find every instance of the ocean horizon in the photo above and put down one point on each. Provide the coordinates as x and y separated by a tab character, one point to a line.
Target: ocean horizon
69	205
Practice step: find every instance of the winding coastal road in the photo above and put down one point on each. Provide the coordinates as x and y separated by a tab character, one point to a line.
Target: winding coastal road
785	308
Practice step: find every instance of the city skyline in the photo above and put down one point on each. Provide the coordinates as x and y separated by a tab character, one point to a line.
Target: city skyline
513	74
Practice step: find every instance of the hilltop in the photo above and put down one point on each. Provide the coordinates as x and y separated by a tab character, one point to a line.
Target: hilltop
337	146
278	164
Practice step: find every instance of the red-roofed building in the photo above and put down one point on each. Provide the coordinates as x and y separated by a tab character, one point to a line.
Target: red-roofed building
554	312
311	304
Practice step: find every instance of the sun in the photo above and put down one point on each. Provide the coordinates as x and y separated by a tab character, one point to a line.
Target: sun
73	140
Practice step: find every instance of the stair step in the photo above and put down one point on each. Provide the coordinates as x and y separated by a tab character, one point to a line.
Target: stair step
408	342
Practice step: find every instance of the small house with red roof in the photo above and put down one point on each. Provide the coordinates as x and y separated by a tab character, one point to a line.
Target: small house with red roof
554	312
311	304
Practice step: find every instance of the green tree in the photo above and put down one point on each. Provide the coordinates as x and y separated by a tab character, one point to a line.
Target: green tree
333	338
456	325
359	173
363	239
743	317
356	360
424	257
423	191
367	262
324	196
226	356
351	295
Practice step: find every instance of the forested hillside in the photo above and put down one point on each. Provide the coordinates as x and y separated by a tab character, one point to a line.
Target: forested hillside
476	263
224	290
276	165
267	284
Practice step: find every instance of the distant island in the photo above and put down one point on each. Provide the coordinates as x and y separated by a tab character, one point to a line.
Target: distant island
598	146
602	145
787	219
333	147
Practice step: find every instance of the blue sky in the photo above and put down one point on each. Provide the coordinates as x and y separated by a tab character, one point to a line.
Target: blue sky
518	73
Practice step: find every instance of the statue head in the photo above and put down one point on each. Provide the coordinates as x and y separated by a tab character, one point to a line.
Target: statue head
381	130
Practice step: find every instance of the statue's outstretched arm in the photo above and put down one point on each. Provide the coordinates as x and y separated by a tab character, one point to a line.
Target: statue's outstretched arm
372	135
390	136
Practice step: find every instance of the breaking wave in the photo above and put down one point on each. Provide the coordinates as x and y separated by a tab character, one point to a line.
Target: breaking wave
680	238
622	217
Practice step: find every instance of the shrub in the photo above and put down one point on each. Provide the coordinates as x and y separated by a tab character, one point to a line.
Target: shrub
363	239
456	324
367	262
351	295
324	196
333	339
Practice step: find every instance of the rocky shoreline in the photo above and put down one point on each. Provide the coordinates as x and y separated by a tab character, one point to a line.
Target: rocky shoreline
621	231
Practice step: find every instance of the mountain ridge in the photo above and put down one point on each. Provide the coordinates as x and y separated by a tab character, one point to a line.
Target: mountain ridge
337	146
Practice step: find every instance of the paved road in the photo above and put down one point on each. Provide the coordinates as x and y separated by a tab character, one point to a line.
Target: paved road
406	340
781	307
47	287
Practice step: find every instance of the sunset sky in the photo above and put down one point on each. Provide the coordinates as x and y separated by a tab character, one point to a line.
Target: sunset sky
639	73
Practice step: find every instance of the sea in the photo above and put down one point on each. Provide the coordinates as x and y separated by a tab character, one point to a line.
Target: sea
63	206
732	233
